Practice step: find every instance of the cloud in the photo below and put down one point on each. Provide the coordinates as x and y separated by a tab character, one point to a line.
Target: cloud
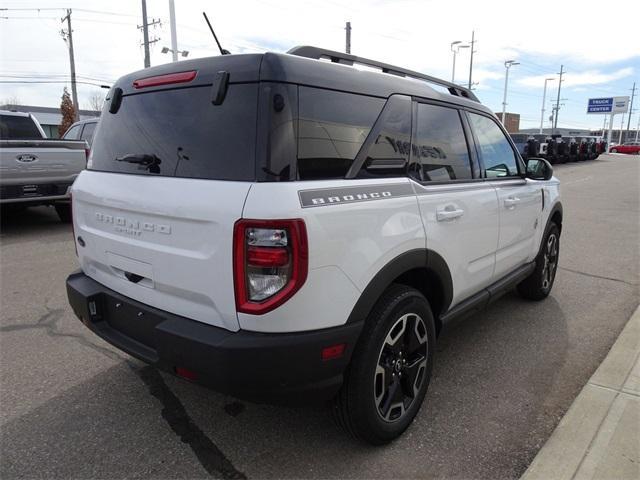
588	77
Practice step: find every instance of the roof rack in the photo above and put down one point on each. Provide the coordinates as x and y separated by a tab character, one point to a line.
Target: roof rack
347	59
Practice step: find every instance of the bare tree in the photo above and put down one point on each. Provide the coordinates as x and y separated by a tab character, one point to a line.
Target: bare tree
11	100
68	111
95	101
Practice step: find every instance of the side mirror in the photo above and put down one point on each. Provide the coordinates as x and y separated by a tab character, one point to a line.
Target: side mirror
539	169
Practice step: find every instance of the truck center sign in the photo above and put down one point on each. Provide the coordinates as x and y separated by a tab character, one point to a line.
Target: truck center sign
608	105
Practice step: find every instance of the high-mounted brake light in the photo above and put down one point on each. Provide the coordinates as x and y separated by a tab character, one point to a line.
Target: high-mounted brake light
270	262
169	78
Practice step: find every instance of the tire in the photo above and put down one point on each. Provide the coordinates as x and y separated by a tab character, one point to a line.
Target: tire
64	212
614	150
398	339
538	285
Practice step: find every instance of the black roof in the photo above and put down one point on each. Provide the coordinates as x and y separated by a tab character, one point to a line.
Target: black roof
302	70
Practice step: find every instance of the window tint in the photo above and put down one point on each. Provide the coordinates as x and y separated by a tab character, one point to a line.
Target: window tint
440	150
332	128
495	150
388	154
87	132
15	127
73	133
180	133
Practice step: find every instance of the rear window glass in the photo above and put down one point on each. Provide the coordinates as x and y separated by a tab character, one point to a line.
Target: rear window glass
332	127
14	127
181	133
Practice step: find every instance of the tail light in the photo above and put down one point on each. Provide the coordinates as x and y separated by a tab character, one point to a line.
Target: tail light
270	263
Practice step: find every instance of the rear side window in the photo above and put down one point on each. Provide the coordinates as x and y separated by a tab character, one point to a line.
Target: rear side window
87	132
387	151
495	150
440	151
180	133
15	127
73	133
332	126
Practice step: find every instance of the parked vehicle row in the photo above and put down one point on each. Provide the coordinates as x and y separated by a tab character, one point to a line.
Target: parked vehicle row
35	170
559	149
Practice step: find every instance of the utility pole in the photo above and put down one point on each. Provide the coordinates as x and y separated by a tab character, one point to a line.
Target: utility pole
348	39
633	94
555	123
544	98
472	44
621	127
68	36
145	33
174	36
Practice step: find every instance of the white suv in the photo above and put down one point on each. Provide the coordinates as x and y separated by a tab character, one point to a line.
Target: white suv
287	229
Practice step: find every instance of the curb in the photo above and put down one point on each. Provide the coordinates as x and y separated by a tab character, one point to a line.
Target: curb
599	436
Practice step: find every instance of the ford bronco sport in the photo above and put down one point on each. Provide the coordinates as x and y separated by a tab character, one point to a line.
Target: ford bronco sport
289	227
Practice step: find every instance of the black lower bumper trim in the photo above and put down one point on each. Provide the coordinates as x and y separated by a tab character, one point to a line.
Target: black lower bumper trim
276	368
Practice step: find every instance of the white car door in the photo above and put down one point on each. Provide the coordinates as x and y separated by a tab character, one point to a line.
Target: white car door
459	210
519	200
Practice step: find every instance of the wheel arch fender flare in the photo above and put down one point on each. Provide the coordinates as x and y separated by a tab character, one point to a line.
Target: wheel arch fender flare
413	260
554	214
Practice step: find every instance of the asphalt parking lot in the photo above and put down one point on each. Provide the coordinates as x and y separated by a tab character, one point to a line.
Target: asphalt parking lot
74	407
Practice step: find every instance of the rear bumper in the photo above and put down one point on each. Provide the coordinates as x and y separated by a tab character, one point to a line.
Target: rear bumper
274	368
36	193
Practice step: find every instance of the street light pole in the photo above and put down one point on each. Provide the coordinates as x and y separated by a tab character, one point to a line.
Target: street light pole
455	51
507	65
544	99
453	72
174	36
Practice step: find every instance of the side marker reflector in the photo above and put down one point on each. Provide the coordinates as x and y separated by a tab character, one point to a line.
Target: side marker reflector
333	352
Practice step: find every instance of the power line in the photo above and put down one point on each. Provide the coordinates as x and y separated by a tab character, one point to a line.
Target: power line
54	81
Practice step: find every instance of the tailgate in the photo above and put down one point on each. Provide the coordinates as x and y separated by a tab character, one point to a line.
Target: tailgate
163	241
42	161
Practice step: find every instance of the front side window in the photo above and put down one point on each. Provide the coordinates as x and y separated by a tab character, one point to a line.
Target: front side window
332	126
495	150
439	151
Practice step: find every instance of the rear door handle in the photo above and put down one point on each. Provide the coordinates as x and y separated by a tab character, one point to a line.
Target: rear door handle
448	213
511	202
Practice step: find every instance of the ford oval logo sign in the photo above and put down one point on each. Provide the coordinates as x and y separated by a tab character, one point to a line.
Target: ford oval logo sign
26	158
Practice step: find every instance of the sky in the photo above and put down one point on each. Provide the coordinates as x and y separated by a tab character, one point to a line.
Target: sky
597	43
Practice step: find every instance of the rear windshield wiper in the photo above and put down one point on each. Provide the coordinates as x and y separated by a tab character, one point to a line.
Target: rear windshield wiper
139	158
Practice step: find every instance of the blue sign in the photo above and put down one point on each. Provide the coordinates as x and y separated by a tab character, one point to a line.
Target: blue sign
600	105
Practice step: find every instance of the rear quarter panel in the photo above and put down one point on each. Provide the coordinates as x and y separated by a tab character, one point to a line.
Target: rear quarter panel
348	244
